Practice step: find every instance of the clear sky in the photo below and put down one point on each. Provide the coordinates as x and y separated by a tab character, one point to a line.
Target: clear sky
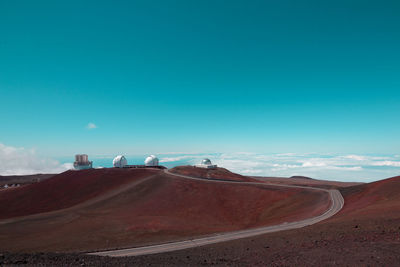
107	77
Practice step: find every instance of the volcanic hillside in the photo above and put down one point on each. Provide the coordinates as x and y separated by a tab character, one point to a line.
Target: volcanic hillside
213	174
373	199
65	190
365	233
114	208
305	181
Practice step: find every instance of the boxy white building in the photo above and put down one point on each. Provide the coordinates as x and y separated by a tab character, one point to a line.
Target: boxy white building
82	162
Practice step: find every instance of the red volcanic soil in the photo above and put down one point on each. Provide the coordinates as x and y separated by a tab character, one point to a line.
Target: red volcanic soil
305	181
372	199
213	174
157	209
65	190
365	233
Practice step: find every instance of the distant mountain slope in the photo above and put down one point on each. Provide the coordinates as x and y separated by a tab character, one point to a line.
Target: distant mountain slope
373	199
301	177
305	181
217	173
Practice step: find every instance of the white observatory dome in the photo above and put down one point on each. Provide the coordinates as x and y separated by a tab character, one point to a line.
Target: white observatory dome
151	161
206	162
120	161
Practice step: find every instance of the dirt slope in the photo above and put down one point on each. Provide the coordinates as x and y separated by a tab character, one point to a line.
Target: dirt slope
217	173
365	233
65	190
381	198
305	181
161	208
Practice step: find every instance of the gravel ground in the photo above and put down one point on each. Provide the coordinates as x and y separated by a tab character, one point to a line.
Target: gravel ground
351	243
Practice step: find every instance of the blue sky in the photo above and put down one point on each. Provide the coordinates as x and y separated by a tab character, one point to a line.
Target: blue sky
200	76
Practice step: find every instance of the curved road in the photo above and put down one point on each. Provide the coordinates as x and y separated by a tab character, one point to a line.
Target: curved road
337	203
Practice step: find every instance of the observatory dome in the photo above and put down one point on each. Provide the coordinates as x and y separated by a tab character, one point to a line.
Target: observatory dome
206	162
151	161
120	161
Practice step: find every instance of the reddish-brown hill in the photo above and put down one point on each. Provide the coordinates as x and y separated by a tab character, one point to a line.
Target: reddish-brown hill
373	199
365	233
217	173
65	190
159	208
305	181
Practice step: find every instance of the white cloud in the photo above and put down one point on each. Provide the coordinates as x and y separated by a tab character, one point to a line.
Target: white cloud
91	126
386	163
190	158
174	159
21	161
355	157
313	163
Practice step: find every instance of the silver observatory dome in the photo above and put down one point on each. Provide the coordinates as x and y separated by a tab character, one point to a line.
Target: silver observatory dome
151	161
206	162
120	161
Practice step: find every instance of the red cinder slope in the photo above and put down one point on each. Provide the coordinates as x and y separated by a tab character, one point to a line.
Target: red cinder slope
305	182
65	190
159	209
217	173
373	199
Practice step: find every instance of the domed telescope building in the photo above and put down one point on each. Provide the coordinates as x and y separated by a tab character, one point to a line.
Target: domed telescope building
82	162
120	162
151	161
206	163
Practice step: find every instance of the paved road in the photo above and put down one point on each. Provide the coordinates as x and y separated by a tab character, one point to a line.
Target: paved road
337	203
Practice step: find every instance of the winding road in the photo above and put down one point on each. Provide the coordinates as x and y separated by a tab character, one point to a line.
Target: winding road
337	203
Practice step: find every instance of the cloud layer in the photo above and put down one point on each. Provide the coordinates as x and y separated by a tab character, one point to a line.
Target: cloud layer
364	168
348	167
21	161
